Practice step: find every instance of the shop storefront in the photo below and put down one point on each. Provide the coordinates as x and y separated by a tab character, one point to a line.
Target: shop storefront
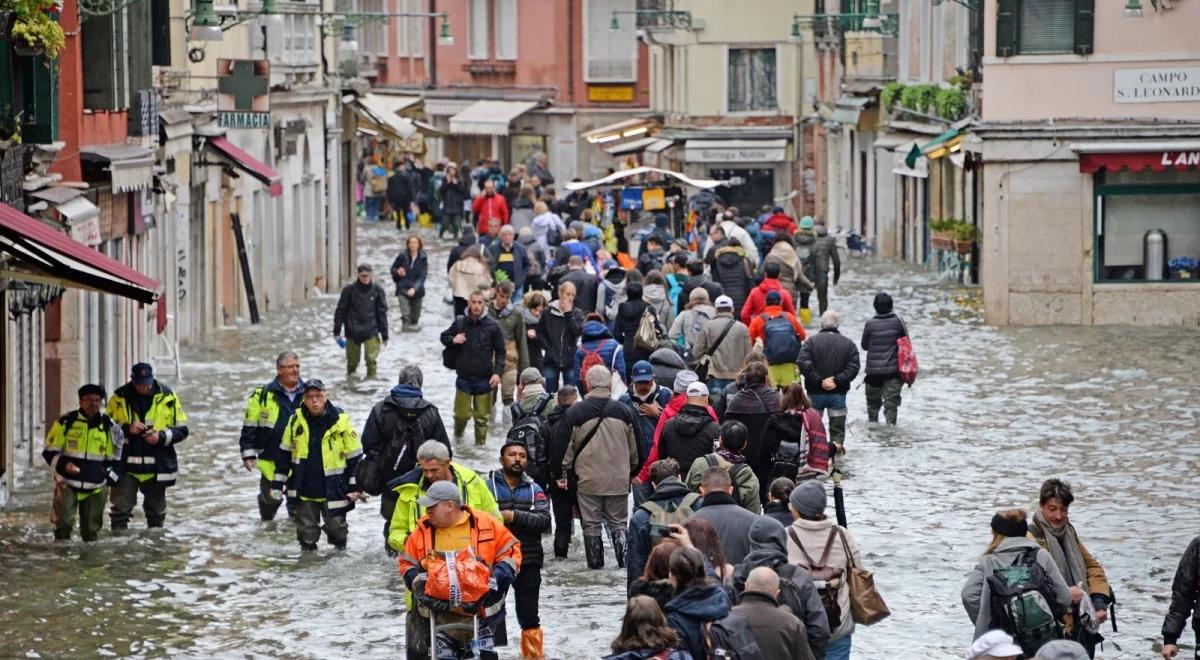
762	168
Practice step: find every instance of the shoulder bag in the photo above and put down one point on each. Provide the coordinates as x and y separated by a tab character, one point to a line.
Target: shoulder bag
866	605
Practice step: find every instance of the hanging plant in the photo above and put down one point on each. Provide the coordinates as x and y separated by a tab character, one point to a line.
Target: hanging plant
890	94
33	30
950	103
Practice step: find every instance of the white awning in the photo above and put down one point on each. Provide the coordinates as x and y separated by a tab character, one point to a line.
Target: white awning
78	209
615	177
920	168
735	151
381	111
848	108
891	140
446	107
489	117
633	146
131	166
660	145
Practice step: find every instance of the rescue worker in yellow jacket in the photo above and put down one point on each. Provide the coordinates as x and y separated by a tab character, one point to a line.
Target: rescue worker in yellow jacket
433	465
153	422
267	414
319	451
83	448
450	527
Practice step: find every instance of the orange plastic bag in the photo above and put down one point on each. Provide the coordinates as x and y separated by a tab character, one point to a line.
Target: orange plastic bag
625	261
456	577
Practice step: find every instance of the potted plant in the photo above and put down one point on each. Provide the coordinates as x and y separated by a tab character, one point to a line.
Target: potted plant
964	237
34	32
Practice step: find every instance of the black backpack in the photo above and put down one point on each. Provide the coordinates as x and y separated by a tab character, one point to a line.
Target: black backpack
531	430
373	472
732	637
789	592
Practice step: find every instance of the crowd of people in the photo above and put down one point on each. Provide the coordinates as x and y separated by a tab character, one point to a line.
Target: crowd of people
689	374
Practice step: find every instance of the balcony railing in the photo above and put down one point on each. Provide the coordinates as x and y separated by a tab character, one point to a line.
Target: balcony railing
824	25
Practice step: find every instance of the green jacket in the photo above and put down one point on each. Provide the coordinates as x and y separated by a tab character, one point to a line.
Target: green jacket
512	326
745	483
412	485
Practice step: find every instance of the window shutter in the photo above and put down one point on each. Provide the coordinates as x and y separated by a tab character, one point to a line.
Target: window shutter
39	124
477	30
1006	27
160	14
506	29
1085	24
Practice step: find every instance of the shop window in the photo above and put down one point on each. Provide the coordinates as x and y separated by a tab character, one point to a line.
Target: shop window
1135	210
755	189
751	80
609	55
1040	27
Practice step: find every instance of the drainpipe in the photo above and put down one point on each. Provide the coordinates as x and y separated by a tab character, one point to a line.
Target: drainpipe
431	46
571	51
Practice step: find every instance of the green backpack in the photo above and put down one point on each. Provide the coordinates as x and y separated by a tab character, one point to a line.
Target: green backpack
661	518
1022	602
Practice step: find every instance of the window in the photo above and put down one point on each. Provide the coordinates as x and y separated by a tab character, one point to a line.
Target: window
505	15
372	34
410	30
1040	27
609	55
477	27
751	80
1131	204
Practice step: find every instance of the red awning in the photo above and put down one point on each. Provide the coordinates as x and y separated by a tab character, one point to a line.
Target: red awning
252	166
49	254
1138	161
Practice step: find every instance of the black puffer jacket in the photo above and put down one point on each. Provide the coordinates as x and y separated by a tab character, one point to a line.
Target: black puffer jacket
688	436
754	406
482	355
731	271
585	289
453	196
625	326
1184	594
415	271
828	353
383	422
560	333
362	309
879	341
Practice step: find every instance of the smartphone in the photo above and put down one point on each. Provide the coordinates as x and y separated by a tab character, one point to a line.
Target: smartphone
661	531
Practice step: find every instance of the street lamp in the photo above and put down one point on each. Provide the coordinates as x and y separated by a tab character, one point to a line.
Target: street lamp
444	36
206	25
1133	8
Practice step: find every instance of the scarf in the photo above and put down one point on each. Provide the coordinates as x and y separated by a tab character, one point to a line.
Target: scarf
1063	546
730	456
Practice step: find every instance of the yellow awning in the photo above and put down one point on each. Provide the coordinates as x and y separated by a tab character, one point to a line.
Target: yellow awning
947	147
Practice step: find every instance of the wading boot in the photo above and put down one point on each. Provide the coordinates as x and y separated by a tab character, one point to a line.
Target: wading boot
531	644
593	548
561	545
617	536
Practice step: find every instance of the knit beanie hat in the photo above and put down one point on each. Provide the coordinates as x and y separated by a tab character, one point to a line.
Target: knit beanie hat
808	499
682	380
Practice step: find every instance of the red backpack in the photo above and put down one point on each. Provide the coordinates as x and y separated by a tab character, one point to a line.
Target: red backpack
906	360
590	359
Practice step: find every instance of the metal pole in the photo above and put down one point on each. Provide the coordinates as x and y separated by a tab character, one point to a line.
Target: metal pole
236	221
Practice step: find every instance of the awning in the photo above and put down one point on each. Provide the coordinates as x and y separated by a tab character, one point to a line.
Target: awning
1136	161
848	108
943	144
660	145
612	132
735	151
57	194
52	257
625	174
489	117
249	164
907	160
131	167
380	114
633	146
890	141
78	210
446	107
177	129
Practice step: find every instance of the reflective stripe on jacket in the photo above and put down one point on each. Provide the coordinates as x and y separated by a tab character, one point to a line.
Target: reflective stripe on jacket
165	414
93	446
340	452
412	485
267	413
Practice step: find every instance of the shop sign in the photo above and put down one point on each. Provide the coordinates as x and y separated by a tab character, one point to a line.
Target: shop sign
87	231
244	93
770	154
610	93
1161	85
1180	159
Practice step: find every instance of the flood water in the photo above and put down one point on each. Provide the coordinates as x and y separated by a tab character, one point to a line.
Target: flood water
994	412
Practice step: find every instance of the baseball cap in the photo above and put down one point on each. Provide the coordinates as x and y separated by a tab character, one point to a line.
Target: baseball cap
91	388
724	302
314	384
697	389
642	372
441	491
773	298
142	374
995	643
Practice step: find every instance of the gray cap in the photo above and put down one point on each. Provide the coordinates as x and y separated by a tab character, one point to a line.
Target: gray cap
1061	649
808	498
682	380
441	491
531	375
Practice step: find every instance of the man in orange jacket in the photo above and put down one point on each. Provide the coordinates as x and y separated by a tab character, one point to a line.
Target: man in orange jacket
780	334
449	527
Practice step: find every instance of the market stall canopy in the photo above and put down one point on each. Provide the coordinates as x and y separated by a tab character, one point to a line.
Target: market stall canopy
489	117
383	113
1134	155
706	184
249	164
131	167
51	257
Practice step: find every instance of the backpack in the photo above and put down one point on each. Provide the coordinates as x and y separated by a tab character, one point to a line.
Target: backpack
1021	598
379	180
736	472
647	335
789	591
808	261
827	579
906	360
451	353
675	286
530	429
780	345
373	473
590	359
673	514
731	637
789	456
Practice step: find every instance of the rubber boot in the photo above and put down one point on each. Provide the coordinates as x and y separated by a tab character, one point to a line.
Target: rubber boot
837	429
561	546
531	644
873	415
617	536
889	416
593	548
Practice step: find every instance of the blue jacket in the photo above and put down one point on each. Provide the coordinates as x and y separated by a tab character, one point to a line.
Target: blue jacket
690	610
519	265
531	514
645	425
596	334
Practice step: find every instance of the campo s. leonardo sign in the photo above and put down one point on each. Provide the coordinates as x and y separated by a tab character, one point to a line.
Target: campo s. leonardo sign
1156	85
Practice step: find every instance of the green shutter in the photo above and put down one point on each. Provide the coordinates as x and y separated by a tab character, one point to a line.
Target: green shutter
1085	24
139	56
1006	27
39	125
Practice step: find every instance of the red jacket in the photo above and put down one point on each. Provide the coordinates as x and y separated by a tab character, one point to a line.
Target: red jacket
485	208
780	223
677	402
756	302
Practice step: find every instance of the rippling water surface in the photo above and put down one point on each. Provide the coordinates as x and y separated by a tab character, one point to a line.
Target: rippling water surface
995	412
